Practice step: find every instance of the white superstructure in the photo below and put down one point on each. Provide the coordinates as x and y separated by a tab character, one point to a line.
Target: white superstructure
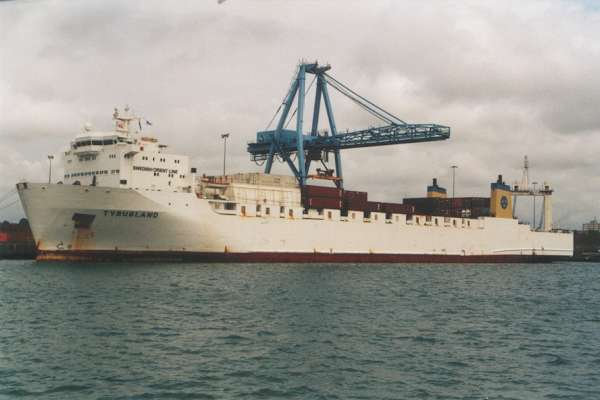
125	157
122	196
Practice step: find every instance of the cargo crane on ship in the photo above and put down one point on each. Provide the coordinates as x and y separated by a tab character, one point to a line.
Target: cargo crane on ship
545	192
283	144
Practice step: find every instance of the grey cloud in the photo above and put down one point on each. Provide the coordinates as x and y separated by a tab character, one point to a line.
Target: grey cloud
510	78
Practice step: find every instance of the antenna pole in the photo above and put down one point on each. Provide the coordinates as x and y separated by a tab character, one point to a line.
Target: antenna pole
224	136
534	185
525	178
453	178
50	158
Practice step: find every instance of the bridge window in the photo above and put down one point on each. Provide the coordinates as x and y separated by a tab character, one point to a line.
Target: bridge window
83	143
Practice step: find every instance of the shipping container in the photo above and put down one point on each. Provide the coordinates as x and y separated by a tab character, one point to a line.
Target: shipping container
322	202
395	208
321	191
373	206
354	195
355	205
451	207
15	232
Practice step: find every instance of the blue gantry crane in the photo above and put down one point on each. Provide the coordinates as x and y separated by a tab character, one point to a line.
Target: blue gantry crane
283	144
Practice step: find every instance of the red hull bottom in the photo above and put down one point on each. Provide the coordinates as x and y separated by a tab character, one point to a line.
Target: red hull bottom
276	257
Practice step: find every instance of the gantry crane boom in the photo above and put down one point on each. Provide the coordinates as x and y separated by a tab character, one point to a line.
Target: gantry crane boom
381	136
283	143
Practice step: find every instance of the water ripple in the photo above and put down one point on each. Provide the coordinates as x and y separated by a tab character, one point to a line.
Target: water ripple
192	331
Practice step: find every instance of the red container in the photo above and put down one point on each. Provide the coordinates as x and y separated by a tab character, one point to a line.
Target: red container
14	233
321	191
354	200
373	206
395	208
355	204
424	205
322	202
353	195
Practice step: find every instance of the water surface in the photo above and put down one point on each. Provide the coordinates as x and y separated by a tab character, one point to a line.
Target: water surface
256	331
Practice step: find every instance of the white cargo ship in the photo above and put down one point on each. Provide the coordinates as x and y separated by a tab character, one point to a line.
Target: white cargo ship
124	196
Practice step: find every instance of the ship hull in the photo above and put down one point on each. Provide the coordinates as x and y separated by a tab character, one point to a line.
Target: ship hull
91	223
283	257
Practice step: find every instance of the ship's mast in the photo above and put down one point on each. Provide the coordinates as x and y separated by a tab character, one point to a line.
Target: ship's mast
523	189
123	121
525	179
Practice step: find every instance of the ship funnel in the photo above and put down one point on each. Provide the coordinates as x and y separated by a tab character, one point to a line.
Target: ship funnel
435	191
501	205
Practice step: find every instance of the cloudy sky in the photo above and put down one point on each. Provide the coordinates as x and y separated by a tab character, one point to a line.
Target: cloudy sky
510	78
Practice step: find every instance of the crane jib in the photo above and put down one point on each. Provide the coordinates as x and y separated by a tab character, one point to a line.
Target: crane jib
382	136
282	143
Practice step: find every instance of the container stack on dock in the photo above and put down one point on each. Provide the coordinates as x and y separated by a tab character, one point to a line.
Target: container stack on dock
16	241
